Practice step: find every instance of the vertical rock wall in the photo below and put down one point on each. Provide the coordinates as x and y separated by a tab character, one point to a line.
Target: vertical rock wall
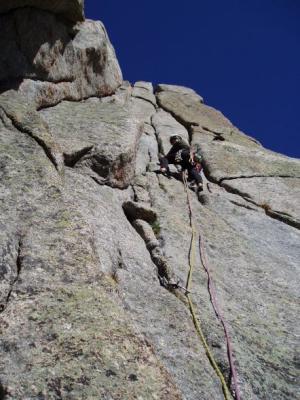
95	242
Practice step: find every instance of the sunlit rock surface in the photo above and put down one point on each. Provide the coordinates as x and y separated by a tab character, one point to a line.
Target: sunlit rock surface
95	242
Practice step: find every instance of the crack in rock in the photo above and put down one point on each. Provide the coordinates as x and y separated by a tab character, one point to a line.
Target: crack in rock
143	98
230	178
28	121
145	222
135	210
283	217
72	159
15	280
3	392
280	216
236	203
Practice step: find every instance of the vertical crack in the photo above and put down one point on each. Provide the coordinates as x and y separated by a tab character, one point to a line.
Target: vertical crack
42	136
3	392
159	144
146	224
15	280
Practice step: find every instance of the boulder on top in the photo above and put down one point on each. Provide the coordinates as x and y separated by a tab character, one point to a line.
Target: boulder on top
70	9
48	60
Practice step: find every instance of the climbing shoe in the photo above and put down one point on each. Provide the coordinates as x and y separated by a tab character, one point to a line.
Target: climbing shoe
199	188
193	186
167	173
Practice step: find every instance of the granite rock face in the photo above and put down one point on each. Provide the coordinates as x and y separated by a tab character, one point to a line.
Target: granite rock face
55	60
95	243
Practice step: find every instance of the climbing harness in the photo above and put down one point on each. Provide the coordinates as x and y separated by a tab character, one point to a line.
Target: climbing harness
212	293
196	157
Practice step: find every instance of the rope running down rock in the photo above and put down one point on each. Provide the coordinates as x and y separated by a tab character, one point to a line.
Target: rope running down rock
219	314
197	325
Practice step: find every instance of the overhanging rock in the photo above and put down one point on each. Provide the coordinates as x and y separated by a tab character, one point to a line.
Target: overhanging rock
47	59
70	9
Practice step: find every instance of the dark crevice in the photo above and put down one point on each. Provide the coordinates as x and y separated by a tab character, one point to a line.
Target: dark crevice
280	216
283	218
19	41
217	135
3	392
238	192
54	81
256	176
159	143
61	17
72	159
100	181
242	205
45	147
150	156
143	98
72	100
15	280
219	138
208	187
19	126
135	197
205	128
135	210
150	232
149	161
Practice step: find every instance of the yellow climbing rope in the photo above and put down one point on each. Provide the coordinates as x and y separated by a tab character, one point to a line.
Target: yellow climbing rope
196	322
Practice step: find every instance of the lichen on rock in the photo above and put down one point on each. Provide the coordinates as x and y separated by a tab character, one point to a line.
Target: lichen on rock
95	243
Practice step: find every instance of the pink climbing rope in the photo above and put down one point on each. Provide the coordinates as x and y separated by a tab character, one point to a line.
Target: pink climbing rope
213	298
219	314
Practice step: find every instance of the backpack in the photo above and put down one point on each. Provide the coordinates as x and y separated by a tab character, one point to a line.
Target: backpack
195	154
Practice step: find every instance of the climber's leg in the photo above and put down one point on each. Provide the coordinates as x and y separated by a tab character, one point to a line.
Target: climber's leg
197	178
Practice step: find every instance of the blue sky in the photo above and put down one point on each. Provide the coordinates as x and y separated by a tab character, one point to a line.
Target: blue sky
242	56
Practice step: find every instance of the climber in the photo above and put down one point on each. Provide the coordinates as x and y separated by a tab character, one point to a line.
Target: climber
189	160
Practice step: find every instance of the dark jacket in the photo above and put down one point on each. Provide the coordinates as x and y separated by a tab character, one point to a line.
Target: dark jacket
179	152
